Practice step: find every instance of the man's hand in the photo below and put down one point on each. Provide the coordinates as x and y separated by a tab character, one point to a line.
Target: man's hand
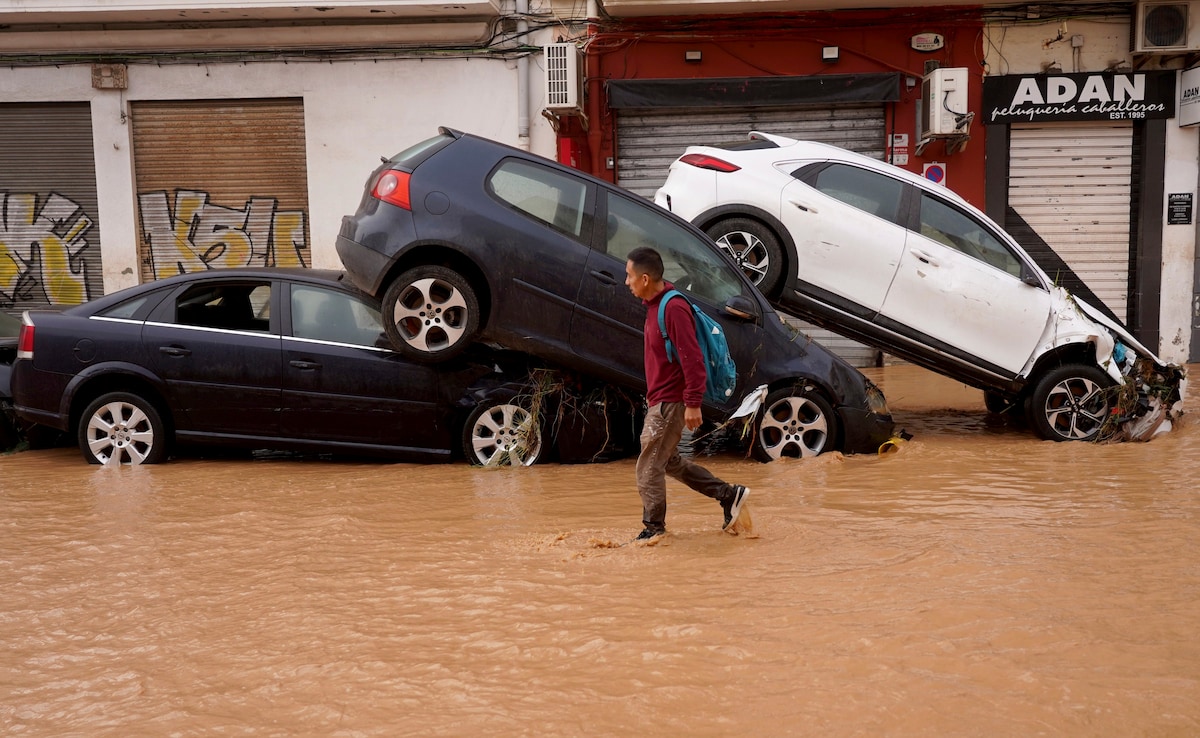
692	418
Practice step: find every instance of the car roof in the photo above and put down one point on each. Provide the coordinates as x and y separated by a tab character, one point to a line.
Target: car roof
332	278
791	148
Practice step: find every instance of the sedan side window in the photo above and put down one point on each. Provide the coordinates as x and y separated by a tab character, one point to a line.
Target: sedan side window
549	196
689	262
868	191
324	315
242	306
949	226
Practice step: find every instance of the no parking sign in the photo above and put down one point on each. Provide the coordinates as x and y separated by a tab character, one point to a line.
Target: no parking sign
935	171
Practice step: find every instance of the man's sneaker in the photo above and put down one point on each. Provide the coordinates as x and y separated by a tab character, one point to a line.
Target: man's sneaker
733	505
649	533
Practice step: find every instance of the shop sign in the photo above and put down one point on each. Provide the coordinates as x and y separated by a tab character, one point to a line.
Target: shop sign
1018	98
927	42
1179	208
1189	97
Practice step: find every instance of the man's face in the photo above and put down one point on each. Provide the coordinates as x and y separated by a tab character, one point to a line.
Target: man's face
637	282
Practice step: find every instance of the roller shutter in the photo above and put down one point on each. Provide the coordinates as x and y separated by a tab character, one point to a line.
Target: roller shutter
1071	183
649	140
49	218
220	183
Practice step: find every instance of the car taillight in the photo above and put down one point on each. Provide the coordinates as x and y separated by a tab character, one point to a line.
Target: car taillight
25	341
704	161
392	187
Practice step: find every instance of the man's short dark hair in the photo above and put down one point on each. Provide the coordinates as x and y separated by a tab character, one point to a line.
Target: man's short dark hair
646	260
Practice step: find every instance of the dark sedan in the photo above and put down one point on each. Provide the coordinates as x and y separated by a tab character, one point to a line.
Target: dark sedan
9	330
291	359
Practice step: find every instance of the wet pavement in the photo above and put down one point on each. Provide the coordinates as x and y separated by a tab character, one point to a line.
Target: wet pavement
978	582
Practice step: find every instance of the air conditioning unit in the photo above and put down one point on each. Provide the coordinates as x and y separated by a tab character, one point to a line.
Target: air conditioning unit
1166	28
564	78
944	102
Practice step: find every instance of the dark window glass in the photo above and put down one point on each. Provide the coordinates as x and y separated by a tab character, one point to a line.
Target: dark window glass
868	191
551	197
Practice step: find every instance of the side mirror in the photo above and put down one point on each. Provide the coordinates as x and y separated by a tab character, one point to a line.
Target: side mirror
1029	277
742	308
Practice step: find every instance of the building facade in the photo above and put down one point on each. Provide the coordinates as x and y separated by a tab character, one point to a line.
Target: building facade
139	140
1072	138
142	139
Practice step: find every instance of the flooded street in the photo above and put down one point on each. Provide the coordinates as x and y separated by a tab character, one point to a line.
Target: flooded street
978	582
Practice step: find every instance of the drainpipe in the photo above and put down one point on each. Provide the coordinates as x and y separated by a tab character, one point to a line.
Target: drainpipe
522	78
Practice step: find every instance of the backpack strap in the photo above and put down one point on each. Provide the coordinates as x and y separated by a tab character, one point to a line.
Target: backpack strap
662	323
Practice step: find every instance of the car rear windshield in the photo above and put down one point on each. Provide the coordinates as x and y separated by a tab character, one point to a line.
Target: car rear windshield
417	153
751	145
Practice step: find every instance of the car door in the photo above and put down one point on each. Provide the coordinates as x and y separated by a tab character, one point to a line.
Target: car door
216	346
343	383
608	323
537	237
845	221
959	290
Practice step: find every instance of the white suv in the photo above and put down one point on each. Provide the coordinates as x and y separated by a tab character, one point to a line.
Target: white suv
889	258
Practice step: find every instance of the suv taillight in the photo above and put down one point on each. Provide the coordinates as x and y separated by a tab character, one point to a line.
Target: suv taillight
704	161
25	341
392	187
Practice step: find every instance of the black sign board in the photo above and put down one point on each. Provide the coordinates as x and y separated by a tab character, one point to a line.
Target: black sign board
1026	98
1179	208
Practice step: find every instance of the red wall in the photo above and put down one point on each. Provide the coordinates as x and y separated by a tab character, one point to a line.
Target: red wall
787	45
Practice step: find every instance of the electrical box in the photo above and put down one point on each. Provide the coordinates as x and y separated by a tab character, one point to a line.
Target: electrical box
944	102
564	78
1166	28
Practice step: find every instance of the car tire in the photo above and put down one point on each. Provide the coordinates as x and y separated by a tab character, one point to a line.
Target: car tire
794	423
122	428
1070	403
430	314
754	248
503	431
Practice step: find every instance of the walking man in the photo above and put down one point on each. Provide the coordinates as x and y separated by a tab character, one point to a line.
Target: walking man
673	394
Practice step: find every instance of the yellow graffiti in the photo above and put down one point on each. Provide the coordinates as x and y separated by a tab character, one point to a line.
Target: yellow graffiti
200	235
42	250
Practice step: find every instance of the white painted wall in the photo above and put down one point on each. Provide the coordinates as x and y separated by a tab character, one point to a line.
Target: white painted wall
1024	49
355	112
1179	245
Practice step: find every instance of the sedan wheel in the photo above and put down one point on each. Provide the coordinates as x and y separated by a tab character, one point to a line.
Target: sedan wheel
122	428
794	424
1071	403
430	314
502	433
753	247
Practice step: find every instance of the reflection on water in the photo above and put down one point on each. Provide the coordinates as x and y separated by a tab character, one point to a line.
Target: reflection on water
976	582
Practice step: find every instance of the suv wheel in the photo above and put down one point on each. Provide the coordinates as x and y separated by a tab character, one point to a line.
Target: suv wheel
122	428
430	314
500	432
795	424
1070	403
754	248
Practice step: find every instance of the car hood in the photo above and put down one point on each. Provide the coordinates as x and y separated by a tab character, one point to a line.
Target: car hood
1119	331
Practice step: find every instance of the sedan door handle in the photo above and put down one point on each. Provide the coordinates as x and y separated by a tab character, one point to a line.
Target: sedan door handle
802	206
305	365
174	351
923	257
604	277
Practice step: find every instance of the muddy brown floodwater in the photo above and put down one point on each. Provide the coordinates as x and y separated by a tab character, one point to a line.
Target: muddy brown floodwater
978	582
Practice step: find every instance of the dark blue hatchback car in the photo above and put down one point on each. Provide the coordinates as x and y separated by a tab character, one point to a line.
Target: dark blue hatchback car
466	240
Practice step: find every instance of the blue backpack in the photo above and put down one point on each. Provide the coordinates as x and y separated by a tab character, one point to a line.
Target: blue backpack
722	372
